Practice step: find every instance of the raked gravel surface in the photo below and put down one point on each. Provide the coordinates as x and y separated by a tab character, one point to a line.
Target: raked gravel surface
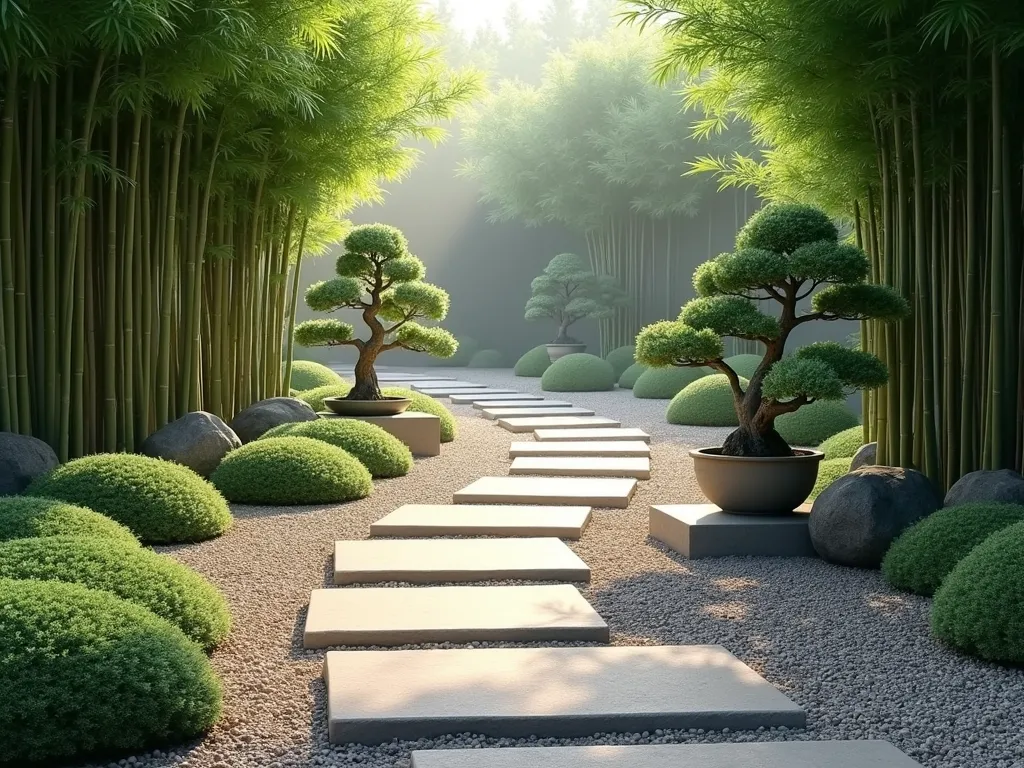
854	653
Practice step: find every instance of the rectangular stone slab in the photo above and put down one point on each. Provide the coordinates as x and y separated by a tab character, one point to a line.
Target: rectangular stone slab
421	432
591	491
635	448
448	391
525	413
451	615
376	696
784	754
492	394
442	384
425	520
520	424
481	405
434	561
703	530
582	466
602	435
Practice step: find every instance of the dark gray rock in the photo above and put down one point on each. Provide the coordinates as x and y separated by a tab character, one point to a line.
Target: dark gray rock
260	417
1002	486
197	440
865	456
855	519
22	458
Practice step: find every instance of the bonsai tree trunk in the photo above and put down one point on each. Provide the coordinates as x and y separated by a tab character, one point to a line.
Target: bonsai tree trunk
563	336
366	386
756	435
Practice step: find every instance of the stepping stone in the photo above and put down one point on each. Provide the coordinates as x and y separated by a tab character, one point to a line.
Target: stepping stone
779	754
425	520
451	615
582	466
436	391
498	403
376	696
442	383
599	435
493	394
526	413
433	561
573	491
521	424
703	530
635	448
414	377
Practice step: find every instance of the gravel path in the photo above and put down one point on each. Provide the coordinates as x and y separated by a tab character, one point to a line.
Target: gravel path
855	654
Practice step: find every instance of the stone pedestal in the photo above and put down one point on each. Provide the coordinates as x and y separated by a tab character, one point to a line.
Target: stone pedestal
703	530
420	431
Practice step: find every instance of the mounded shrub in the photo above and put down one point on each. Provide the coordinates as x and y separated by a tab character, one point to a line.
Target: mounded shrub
380	452
291	470
160	583
86	672
925	554
707	402
829	471
314	398
426	404
629	377
23	517
815	423
665	383
744	365
579	373
159	501
621	358
487	358
845	444
533	364
980	606
308	375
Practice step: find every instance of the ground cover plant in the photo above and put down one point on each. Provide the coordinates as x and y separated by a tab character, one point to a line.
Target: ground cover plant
622	358
664	383
314	398
579	373
707	402
629	376
308	375
533	363
744	365
815	423
844	444
568	291
28	516
379	451
426	404
829	470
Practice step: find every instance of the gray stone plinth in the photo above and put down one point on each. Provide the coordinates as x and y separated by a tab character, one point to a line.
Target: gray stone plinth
703	530
635	448
421	432
496	412
582	466
376	696
489	395
530	405
585	434
574	491
426	520
520	424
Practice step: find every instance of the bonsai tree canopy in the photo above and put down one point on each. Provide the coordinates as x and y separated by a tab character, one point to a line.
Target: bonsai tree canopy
378	277
568	291
784	254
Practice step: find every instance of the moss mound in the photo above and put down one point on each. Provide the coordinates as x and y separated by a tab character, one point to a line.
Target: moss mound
426	404
163	585
621	358
487	358
829	471
815	423
379	451
629	377
289	471
665	383
86	672
308	375
980	606
579	373
533	363
925	554
744	365
23	517
707	402
159	501
314	398
845	444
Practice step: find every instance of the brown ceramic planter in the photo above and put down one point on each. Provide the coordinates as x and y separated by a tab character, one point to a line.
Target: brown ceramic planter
389	406
756	486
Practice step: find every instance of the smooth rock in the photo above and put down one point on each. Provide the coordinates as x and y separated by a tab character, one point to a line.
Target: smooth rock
1002	486
263	416
22	459
197	440
865	456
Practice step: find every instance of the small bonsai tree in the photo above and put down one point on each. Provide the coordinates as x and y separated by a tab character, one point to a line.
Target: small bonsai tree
378	277
784	254
567	291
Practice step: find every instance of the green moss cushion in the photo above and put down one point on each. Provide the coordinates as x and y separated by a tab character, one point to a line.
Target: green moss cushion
579	373
744	365
665	383
291	470
157	582
621	358
379	451
159	501
27	516
815	423
845	444
829	471
980	606
707	402
487	358
308	375
426	404
314	398
533	363
924	555
87	673
629	377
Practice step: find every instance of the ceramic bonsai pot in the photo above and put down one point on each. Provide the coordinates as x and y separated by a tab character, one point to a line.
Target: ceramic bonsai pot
389	406
557	351
756	486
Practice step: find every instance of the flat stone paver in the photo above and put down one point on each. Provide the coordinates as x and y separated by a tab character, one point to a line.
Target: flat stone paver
376	696
582	466
481	405
703	530
784	754
521	424
434	561
444	384
448	391
523	614
635	448
574	491
493	394
425	520
597	435
525	413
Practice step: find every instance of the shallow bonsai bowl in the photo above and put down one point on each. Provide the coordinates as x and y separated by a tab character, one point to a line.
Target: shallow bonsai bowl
389	406
558	351
748	485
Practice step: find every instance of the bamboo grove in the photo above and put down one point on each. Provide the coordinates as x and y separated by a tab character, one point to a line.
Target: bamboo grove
905	118
164	166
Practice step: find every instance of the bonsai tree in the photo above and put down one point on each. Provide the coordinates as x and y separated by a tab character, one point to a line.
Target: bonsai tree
784	254
378	277
567	291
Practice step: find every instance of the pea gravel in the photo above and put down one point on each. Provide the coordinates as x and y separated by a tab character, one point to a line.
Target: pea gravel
855	654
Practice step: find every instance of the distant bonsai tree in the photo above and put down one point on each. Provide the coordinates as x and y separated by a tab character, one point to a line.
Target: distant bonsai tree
568	291
378	277
784	254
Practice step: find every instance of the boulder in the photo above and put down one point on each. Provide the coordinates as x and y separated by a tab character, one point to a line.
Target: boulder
263	416
197	440
22	459
855	519
865	456
1002	486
